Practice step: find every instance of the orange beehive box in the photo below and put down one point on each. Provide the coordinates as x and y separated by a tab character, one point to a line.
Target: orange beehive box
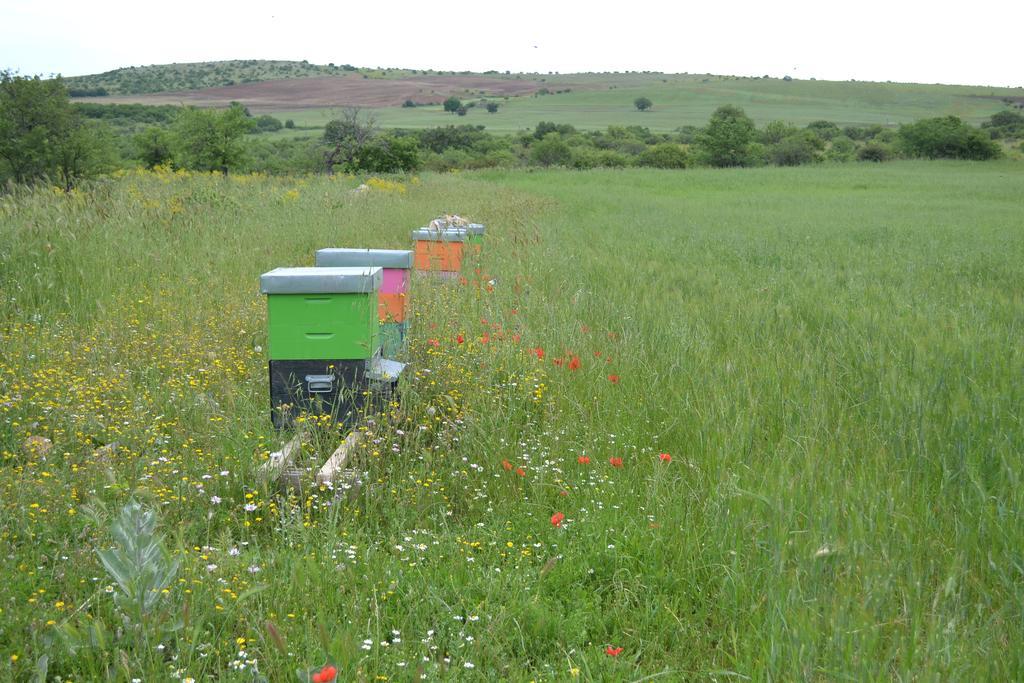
439	250
391	308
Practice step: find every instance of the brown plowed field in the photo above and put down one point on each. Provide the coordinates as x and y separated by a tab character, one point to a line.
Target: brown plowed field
334	91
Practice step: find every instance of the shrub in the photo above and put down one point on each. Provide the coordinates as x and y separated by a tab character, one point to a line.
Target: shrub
665	155
289	123
841	149
947	137
551	151
875	151
794	150
267	124
826	130
643	103
452	104
492	107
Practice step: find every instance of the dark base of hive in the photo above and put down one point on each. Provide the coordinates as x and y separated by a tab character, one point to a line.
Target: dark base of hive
348	395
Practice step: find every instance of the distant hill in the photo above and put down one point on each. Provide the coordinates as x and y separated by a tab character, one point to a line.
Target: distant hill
409	98
139	80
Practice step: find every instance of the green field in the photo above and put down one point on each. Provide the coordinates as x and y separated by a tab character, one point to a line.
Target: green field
599	101
831	356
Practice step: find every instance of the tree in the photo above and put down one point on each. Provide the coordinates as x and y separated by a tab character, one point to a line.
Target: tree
551	151
492	107
210	140
452	104
947	137
267	124
387	154
43	136
461	111
826	130
795	149
665	155
345	138
643	103
727	139
153	146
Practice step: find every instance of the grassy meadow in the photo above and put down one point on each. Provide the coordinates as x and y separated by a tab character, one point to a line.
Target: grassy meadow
830	356
596	101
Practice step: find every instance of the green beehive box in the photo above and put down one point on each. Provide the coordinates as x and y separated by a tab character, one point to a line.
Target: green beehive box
322	313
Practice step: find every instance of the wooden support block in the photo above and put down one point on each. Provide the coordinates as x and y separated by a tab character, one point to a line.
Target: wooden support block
281	460
332	469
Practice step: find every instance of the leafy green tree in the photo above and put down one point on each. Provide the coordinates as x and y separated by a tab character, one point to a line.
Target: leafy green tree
728	137
43	136
796	149
841	149
826	130
775	132
452	104
665	155
875	151
289	124
346	137
492	107
643	103
153	146
545	127
387	154
267	124
947	137
210	140
551	151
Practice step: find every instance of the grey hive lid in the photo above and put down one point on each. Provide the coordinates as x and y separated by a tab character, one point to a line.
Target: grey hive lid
384	370
446	235
361	280
384	258
475	228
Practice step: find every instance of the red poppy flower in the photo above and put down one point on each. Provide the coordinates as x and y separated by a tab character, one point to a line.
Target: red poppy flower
485	339
597	354
563	493
614	379
664	457
507	465
483	321
539	352
463	281
520	471
558	361
514	311
434	342
557	519
325	675
613	651
516	338
583	460
460	339
574	363
615	462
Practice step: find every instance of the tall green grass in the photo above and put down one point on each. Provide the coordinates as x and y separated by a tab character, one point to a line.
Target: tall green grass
830	355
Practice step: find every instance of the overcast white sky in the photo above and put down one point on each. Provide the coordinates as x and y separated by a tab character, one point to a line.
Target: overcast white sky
926	42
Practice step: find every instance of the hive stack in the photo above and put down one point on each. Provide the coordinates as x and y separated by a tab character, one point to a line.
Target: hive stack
440	252
393	297
324	342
